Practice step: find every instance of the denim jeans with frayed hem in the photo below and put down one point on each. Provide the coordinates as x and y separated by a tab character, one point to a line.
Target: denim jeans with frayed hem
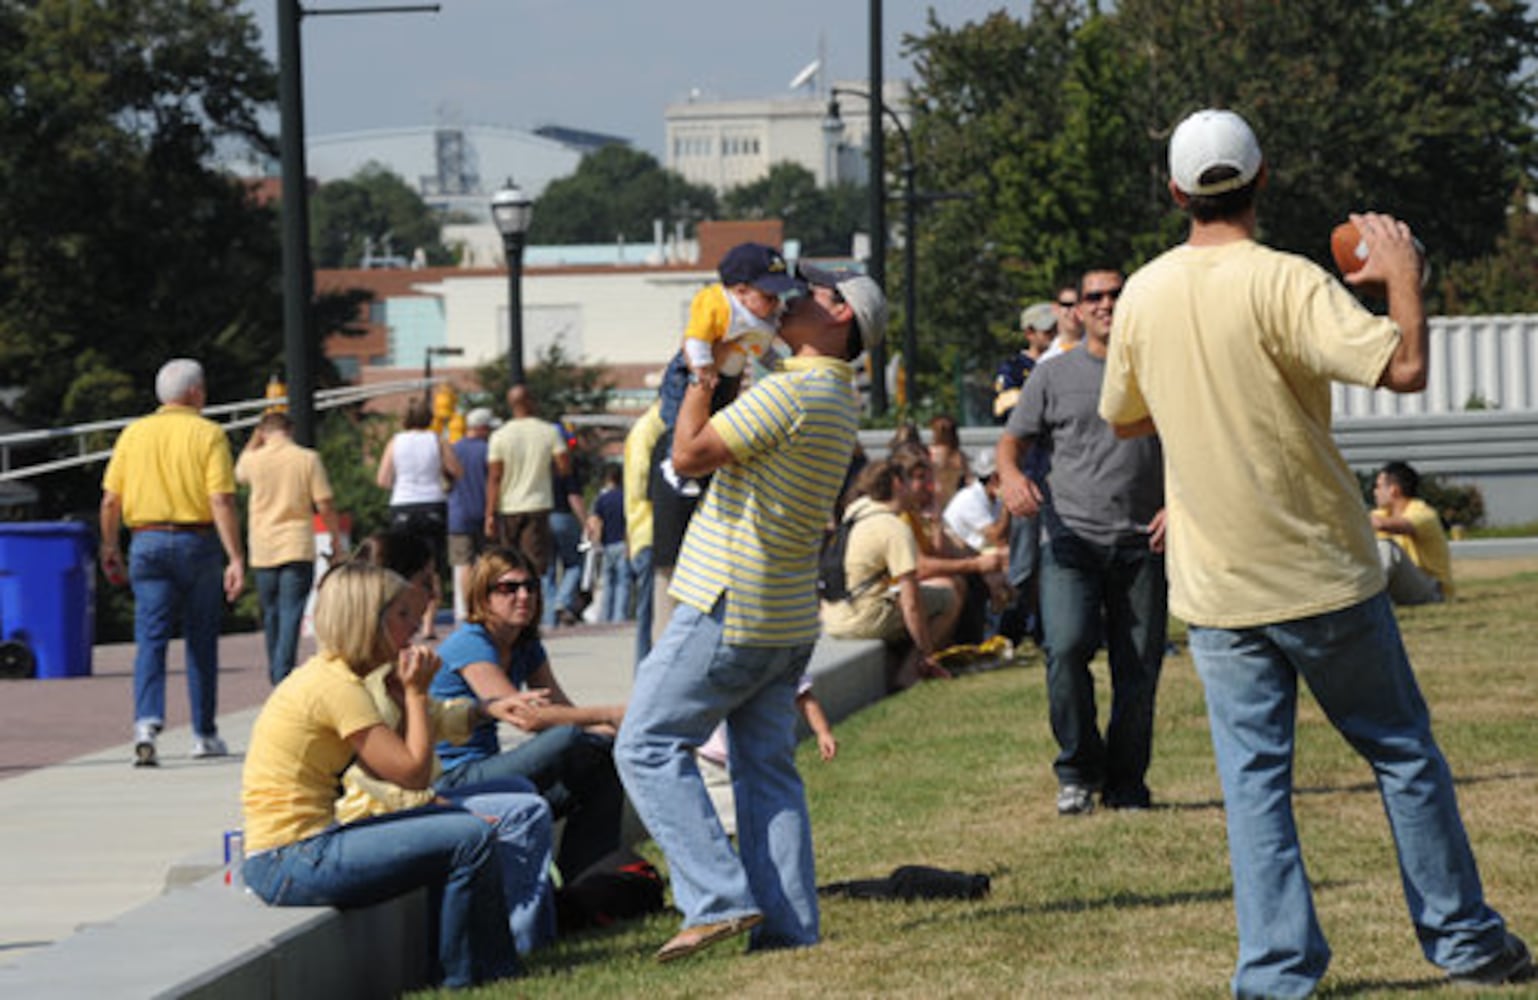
448	850
691	681
283	591
1355	664
177	576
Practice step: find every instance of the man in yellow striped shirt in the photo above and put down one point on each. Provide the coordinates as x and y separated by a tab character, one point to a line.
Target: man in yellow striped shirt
743	630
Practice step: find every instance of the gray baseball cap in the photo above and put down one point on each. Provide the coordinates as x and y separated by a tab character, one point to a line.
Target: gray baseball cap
860	291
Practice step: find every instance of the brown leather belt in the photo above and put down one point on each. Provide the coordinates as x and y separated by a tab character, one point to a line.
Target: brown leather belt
173	526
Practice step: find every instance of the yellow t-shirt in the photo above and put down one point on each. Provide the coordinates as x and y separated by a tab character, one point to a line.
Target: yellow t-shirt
299	749
166	466
287	482
722	326
881	548
363	794
1427	547
1231	349
639	443
525	447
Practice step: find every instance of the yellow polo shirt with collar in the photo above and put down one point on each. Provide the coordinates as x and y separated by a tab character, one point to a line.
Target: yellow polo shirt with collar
168	465
756	536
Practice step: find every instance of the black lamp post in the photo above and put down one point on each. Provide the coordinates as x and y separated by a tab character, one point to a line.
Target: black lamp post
511	210
833	125
298	277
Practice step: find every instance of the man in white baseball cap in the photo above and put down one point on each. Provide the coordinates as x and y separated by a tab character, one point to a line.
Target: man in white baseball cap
1229	348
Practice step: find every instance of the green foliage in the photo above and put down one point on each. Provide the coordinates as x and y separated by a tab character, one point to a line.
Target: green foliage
373	208
1056	129
823	219
616	192
350	443
558	384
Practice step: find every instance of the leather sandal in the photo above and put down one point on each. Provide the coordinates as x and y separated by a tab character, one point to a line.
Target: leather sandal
692	939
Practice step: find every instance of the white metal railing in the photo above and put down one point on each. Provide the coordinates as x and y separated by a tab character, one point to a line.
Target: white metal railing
244	413
1489	361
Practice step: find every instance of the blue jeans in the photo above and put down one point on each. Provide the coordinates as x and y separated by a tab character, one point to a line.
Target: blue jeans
574	770
616	582
566	567
641	570
177	575
1083	583
691	681
1355	664
283	591
522	822
448	850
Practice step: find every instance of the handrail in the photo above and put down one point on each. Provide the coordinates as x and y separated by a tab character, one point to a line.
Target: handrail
324	399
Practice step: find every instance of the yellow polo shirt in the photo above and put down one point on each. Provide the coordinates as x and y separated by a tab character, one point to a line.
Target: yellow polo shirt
756	535
287	483
166	466
639	443
1427	547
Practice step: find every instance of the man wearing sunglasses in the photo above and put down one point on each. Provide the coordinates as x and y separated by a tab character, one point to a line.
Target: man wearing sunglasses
1102	559
742	632
1070	327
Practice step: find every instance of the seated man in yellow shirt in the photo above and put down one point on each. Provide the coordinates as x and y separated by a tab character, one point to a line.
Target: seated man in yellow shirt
1411	543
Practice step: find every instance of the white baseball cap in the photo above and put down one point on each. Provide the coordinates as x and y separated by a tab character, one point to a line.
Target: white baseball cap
1213	138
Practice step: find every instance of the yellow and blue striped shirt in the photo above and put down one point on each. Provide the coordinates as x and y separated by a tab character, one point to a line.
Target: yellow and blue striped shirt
756	536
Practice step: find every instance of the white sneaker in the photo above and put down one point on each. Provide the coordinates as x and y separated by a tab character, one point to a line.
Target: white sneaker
144	744
208	746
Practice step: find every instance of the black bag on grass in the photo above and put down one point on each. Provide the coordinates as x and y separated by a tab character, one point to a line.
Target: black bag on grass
620	886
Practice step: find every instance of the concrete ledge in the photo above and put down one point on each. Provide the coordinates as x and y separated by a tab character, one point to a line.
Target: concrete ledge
848	674
211	940
204	939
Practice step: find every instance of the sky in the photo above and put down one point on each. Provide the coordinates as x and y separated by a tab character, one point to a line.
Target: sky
608	66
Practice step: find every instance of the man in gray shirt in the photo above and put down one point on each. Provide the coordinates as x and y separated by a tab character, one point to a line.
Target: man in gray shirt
1102	510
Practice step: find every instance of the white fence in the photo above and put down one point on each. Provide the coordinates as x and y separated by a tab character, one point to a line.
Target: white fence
1490	361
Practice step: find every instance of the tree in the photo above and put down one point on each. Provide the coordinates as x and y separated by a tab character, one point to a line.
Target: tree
119	246
823	219
616	193
557	383
1056	128
374	210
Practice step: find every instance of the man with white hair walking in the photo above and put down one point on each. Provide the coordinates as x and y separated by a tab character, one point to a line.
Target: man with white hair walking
172	481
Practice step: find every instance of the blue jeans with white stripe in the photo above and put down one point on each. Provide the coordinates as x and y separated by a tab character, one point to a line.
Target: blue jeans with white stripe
691	681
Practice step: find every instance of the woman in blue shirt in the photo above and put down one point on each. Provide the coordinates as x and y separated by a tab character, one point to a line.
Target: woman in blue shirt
569	755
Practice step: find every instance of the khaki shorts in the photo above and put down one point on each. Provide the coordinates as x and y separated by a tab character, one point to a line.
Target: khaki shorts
464	548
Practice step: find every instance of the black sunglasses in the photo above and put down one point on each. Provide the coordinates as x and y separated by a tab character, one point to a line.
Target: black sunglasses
1109	293
508	588
1069	304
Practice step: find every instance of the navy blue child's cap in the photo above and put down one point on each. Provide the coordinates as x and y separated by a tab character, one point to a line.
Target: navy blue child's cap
757	265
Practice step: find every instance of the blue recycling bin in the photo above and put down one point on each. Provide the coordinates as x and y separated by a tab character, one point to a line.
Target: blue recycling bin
48	594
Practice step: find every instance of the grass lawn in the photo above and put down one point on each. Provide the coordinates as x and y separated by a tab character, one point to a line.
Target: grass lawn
958	775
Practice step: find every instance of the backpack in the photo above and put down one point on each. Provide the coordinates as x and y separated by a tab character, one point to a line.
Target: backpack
832	582
621	886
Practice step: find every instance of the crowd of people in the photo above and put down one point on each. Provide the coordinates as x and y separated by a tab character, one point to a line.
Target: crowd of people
1141	413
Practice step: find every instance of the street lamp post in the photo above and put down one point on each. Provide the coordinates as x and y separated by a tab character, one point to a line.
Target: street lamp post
427	366
833	125
511	210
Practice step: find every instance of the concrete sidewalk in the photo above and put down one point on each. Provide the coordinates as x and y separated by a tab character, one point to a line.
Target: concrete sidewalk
84	836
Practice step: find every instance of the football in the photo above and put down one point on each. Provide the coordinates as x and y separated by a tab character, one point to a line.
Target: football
1350	253
1348	248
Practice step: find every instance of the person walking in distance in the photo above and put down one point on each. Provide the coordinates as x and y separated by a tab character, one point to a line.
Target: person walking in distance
288	487
171	481
522	460
467	504
1229	348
